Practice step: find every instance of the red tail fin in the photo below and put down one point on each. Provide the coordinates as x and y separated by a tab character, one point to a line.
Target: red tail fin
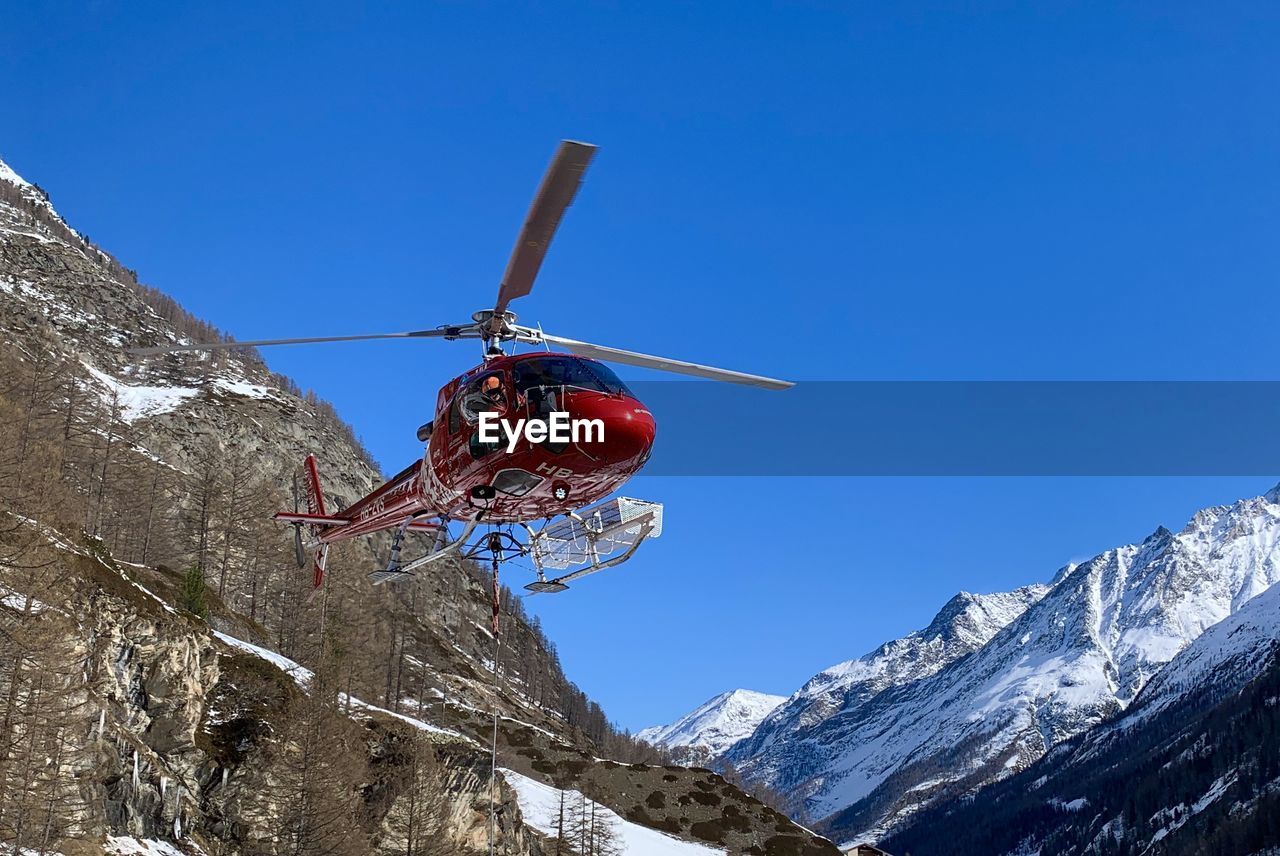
306	488
315	505
311	483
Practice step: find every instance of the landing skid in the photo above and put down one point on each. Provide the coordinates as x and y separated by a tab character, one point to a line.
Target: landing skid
546	587
441	548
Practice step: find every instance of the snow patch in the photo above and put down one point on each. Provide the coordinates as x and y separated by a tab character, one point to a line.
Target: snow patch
7	174
127	846
540	806
1079	804
352	701
244	388
18	602
139	402
302	676
1180	814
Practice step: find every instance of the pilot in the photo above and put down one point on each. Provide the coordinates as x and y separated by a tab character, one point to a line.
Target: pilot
492	389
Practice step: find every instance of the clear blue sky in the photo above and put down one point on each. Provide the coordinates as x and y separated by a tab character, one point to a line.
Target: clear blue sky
812	190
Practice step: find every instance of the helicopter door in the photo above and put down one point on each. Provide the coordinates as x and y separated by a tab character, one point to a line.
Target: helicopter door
440	442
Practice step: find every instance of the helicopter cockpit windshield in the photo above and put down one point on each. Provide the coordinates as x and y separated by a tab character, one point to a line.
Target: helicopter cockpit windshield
540	382
558	370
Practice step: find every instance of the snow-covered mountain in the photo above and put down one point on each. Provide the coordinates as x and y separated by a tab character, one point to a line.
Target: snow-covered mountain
1189	767
706	732
962	626
1226	657
863	746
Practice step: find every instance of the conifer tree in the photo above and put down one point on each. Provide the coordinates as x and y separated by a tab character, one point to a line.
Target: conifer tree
193	592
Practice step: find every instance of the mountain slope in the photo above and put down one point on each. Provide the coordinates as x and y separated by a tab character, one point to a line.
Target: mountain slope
707	731
1076	656
786	750
153	727
1193	766
144	725
205	446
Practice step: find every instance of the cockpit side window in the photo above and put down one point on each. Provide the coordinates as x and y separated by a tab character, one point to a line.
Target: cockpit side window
485	393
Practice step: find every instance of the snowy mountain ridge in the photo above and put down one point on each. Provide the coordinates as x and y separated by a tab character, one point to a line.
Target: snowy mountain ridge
775	751
716	724
988	688
1188	767
29	191
1226	656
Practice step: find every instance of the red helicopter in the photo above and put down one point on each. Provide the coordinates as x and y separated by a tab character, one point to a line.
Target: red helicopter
494	455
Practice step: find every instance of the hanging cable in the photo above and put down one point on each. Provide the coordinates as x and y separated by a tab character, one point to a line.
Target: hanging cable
495	544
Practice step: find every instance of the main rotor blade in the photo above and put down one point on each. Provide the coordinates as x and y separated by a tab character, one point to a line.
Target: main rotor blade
216	346
559	186
631	358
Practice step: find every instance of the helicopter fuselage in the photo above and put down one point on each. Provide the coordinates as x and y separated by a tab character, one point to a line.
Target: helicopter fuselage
513	481
533	473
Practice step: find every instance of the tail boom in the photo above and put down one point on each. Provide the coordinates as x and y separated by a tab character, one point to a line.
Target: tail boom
397	503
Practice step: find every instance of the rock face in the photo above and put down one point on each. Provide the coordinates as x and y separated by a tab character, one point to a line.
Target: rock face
177	735
704	734
866	744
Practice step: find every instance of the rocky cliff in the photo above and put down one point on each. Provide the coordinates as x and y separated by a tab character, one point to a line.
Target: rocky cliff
161	729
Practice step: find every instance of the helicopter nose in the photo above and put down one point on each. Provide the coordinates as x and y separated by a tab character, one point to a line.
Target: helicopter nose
629	429
631	433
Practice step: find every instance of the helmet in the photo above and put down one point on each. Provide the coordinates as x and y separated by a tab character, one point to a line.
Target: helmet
491	384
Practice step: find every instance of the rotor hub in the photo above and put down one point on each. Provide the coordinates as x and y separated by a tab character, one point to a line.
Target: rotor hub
495	327
494	323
